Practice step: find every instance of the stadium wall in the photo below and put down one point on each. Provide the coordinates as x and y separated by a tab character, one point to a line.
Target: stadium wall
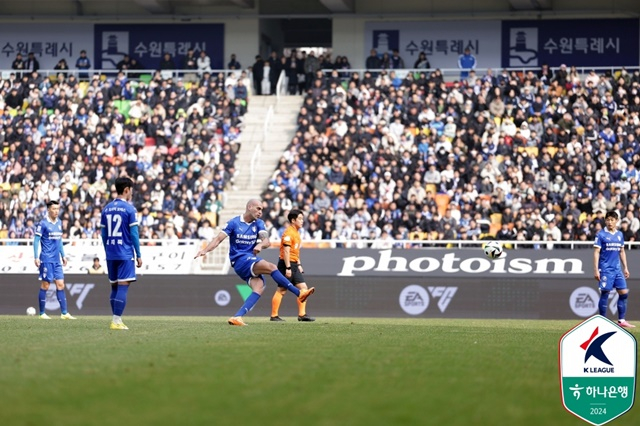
495	42
409	297
427	283
52	41
434	262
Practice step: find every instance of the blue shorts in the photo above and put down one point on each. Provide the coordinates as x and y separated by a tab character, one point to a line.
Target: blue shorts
121	270
50	272
243	267
610	281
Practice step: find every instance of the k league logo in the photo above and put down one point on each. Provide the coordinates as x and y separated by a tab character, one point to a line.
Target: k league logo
597	370
593	347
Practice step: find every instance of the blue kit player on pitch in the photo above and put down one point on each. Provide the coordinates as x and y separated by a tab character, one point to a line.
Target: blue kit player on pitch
51	259
120	237
248	237
610	267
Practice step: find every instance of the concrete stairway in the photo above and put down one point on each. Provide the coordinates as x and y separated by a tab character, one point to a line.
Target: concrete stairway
281	130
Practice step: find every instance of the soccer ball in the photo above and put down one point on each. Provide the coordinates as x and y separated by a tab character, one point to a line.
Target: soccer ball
493	249
31	311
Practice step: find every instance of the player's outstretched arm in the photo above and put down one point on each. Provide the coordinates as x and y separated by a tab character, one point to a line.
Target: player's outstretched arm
212	245
264	238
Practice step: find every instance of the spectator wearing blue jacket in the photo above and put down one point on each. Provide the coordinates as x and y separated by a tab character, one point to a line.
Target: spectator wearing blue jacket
466	62
83	64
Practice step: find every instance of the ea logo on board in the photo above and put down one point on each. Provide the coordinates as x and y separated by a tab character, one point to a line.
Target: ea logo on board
77	292
414	299
222	298
584	301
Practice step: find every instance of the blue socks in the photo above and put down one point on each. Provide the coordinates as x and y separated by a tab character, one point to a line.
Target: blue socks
63	301
253	298
114	291
622	305
42	299
602	304
248	304
120	300
282	281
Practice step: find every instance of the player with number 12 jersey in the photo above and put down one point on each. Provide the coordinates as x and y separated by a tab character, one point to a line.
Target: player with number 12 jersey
120	237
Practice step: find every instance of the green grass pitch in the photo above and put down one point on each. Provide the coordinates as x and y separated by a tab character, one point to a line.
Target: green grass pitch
336	371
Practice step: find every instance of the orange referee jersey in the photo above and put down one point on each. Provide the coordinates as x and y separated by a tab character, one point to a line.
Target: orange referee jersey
291	238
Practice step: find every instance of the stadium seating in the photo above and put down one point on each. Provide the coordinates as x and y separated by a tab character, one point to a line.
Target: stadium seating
508	169
74	157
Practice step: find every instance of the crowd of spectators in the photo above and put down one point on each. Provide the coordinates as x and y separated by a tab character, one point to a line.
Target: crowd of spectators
533	156
67	139
384	155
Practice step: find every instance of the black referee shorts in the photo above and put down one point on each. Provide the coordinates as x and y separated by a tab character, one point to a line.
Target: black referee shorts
296	275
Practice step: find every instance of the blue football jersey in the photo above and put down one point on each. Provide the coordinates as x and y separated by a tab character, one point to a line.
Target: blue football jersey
117	218
610	245
50	240
242	236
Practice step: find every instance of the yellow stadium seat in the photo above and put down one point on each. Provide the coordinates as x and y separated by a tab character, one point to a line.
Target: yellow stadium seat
83	87
496	218
583	217
552	150
494	228
431	187
442	201
531	150
212	218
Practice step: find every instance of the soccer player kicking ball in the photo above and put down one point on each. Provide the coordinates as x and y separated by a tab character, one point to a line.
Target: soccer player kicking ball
248	236
289	265
121	240
51	259
610	267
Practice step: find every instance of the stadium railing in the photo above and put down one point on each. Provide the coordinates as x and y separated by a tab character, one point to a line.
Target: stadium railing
257	152
453	74
217	256
142	75
281	87
450	74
